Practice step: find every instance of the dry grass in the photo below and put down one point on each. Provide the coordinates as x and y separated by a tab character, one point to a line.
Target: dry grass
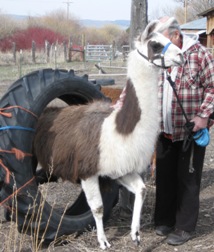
118	226
12	240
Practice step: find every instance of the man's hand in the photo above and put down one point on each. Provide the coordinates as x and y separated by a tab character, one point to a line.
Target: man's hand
200	123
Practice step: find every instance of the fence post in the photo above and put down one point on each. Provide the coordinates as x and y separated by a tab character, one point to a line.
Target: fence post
83	46
65	50
113	49
47	49
55	52
14	52
70	50
20	63
34	51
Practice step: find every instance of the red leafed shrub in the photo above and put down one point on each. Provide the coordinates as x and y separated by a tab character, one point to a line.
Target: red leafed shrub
23	39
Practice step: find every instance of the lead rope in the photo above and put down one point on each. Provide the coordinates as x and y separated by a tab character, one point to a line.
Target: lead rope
188	127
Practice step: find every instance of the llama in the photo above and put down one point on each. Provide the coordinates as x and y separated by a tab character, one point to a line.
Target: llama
84	142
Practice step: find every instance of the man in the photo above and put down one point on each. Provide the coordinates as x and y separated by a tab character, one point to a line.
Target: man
179	171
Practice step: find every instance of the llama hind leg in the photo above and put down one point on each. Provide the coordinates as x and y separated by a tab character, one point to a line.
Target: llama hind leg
94	199
134	183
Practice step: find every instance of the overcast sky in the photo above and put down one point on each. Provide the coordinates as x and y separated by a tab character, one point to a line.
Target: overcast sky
81	9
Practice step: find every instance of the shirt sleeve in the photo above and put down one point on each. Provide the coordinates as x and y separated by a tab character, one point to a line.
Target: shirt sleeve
207	80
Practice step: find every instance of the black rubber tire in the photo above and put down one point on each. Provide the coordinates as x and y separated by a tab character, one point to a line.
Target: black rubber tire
105	82
33	92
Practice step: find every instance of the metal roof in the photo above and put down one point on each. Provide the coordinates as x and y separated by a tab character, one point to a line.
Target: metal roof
199	24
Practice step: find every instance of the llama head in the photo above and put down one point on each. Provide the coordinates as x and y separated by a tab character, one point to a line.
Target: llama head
157	49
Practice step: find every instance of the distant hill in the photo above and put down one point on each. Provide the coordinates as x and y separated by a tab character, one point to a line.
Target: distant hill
123	24
18	17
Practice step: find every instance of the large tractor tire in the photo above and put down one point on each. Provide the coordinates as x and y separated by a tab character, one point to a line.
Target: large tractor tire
20	108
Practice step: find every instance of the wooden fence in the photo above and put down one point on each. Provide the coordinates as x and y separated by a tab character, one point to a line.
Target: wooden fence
61	52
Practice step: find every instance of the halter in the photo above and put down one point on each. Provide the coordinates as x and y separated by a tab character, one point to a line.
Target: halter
160	56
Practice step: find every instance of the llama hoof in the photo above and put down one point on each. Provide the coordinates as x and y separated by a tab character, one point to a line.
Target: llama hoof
136	238
104	245
137	242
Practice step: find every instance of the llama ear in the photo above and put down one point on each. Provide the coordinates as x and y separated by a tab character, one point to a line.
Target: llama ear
149	29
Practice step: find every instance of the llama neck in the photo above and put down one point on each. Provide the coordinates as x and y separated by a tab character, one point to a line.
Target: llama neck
129	114
144	77
141	98
142	73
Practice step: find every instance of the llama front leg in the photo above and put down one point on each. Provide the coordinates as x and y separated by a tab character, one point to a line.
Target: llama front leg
134	183
94	199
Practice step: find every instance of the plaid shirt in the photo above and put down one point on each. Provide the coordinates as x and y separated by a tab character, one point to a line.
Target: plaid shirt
195	87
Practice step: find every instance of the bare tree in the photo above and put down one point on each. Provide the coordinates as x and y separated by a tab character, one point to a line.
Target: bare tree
198	6
191	8
139	19
7	26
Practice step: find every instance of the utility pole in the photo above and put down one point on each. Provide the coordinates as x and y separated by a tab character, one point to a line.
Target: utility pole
68	6
139	19
185	11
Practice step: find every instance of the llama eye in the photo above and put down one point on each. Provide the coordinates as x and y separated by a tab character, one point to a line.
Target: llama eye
156	47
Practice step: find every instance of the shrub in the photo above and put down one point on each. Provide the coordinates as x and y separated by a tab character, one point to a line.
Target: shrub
23	39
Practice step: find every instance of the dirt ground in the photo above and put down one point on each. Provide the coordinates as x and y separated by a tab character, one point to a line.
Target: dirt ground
118	226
